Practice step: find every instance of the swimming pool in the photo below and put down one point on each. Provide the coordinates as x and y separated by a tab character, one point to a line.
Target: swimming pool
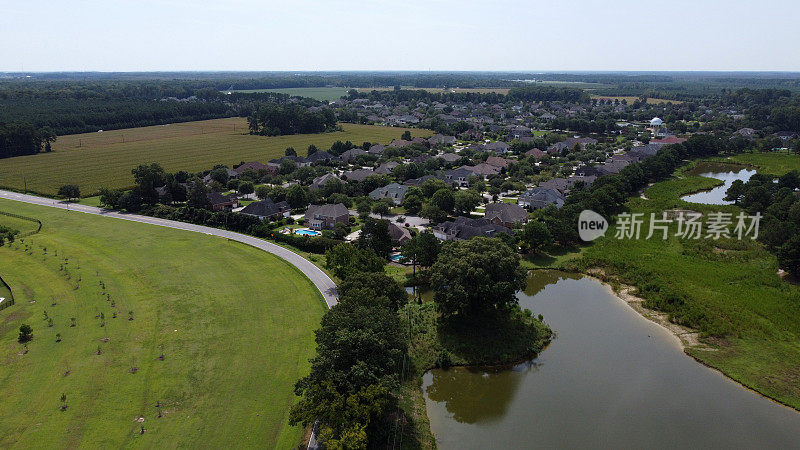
397	258
307	232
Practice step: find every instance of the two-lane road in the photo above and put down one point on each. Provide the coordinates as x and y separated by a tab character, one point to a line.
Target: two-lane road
320	279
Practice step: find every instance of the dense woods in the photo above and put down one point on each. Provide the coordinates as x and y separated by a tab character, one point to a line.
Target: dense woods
273	120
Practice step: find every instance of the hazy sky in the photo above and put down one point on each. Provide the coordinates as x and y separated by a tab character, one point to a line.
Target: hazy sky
144	35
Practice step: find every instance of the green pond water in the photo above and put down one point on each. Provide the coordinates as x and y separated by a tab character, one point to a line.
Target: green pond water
610	379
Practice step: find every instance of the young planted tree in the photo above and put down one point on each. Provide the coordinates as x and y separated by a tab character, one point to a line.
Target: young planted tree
25	333
63	401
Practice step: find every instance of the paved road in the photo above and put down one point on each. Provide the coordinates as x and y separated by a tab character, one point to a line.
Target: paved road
320	279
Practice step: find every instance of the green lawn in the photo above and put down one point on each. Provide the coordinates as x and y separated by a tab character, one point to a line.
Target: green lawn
94	160
234	324
727	289
775	163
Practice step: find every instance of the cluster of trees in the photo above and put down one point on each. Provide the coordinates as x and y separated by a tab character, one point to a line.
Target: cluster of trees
779	204
271	119
17	139
548	94
7	234
361	351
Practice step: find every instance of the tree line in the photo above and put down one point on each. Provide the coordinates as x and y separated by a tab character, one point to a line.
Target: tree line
269	119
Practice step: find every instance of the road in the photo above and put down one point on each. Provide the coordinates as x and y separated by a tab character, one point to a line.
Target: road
320	279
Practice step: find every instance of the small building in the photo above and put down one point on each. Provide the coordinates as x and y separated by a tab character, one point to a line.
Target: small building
398	233
459	176
221	202
325	217
395	192
267	209
358	174
497	147
464	228
387	167
498	162
541	197
536	153
352	154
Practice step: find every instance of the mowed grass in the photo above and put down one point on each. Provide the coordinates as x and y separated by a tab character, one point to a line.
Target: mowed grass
631	99
440	90
234	323
318	93
94	160
730	291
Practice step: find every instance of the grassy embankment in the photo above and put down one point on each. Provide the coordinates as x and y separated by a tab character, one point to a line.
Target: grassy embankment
234	324
729	290
94	160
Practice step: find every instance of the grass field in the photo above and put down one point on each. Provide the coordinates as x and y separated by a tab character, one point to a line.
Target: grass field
440	90
94	160
729	289
775	163
234	325
631	99
318	93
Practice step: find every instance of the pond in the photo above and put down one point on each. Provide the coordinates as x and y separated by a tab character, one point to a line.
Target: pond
728	173
610	379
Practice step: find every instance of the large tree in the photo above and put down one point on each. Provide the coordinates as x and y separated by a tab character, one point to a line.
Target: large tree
375	236
347	259
476	277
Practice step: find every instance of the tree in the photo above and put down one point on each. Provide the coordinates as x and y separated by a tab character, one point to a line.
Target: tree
381	208
363	207
444	200
287	166
233	184
262	192
406	135
789	256
197	197
465	201
735	192
25	333
69	192
297	196
475	278
346	259
246	188
431	185
375	236
109	198
535	236
379	283
148	178
220	175
290	151
312	149
433	213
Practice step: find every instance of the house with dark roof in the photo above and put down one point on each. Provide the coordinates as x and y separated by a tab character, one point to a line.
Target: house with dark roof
321	156
255	166
418	181
352	154
387	167
398	233
395	192
320	181
541	197
376	149
459	176
483	169
325	217
299	160
267	209
506	214
440	139
498	162
464	228
569	143
358	174
399	143
449	157
221	202
536	153
497	147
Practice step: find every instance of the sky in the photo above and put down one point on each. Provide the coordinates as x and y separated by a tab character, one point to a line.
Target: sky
491	35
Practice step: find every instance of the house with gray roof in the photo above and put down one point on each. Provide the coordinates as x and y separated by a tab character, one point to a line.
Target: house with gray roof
506	214
459	176
387	167
464	228
497	147
541	197
325	217
358	174
395	192
352	154
320	181
267	209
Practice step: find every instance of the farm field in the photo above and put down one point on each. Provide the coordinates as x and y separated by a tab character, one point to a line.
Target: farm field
94	160
631	99
728	289
440	90
235	325
318	93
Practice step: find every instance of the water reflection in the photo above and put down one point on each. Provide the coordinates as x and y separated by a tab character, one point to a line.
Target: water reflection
727	173
610	379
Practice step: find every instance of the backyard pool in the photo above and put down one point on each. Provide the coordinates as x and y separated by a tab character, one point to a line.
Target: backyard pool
397	258
307	232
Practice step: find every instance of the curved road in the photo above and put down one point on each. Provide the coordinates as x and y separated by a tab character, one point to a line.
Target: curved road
320	279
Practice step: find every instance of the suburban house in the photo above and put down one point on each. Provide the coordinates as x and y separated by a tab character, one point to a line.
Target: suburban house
541	197
399	143
299	160
459	176
449	157
325	217
321	156
398	233
376	149
255	166
483	169
497	162
668	140
464	228
387	167
267	209
358	174
231	174
439	139
497	147
352	153
221	202
418	181
395	192
506	214
536	153
320	181
567	144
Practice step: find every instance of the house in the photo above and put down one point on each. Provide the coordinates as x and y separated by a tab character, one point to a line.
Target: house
387	167
645	151
536	153
320	181
325	217
299	160
497	147
399	234
508	215
399	143
519	133
254	166
569	143
221	202
440	139
418	181
395	192
351	154
668	140
267	210
231	174
358	174
747	133
464	228
320	157
459	176
498	162
541	197
376	149
483	169
449	157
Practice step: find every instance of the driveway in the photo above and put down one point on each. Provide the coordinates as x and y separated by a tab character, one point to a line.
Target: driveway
320	279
